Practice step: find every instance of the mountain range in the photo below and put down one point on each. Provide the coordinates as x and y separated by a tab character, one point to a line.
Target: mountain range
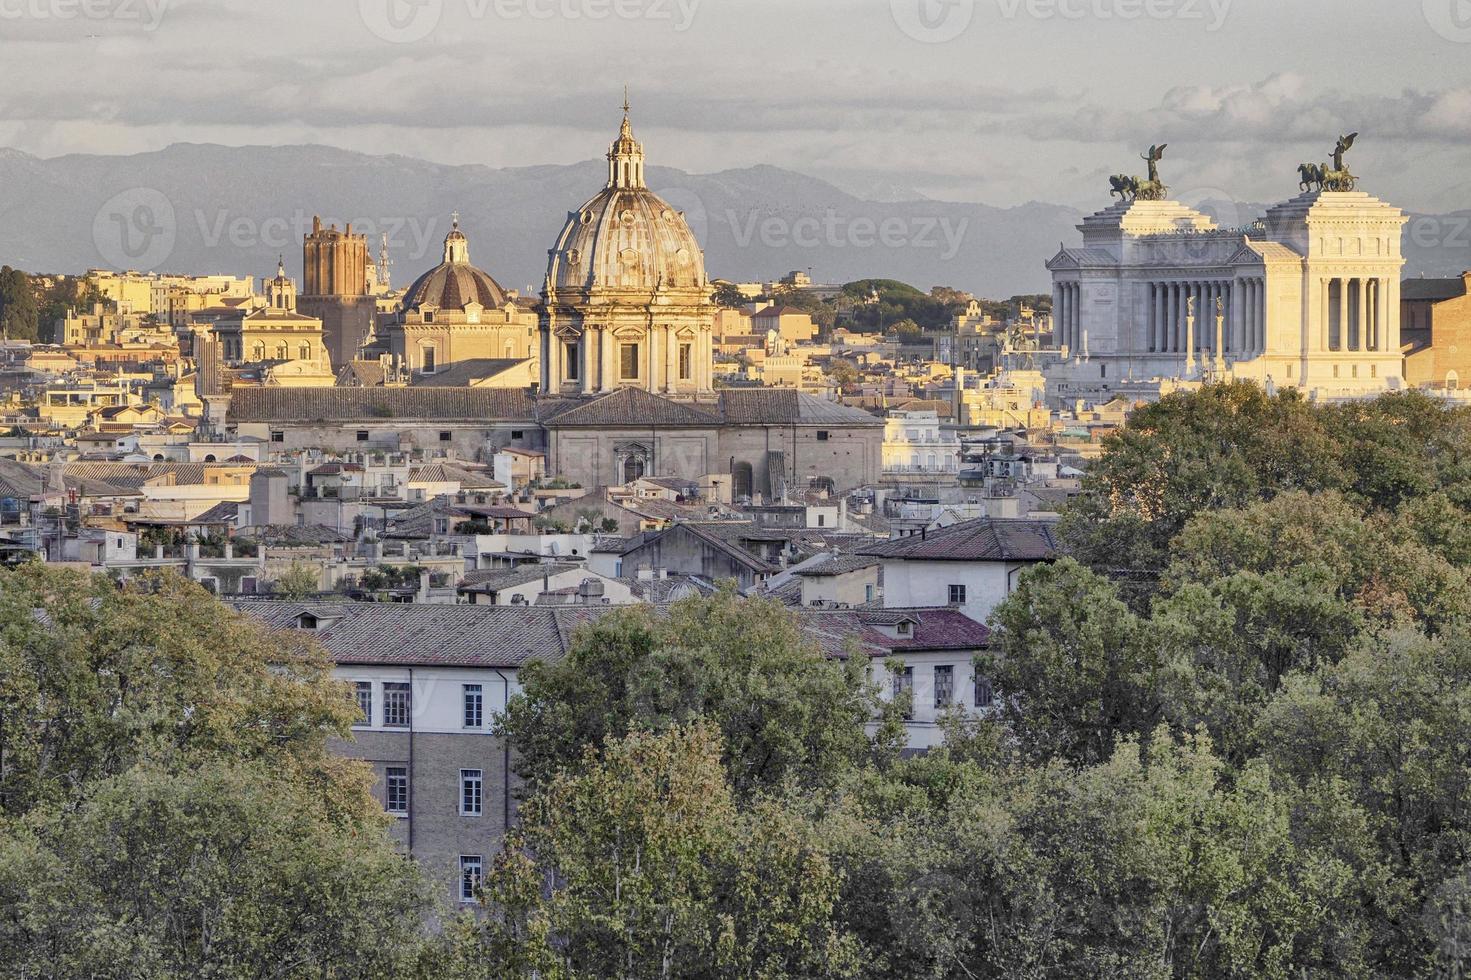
200	209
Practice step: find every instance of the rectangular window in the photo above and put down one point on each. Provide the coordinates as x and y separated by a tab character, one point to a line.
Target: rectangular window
518	434
471	782
470	875
944	685
444	437
957	595
396	704
983	693
904	681
396	789
278	435
474	706
629	365
365	701
822	435
569	358
686	362
362	435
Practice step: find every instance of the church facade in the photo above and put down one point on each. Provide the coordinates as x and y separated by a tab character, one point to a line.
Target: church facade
1157	296
626	302
456	312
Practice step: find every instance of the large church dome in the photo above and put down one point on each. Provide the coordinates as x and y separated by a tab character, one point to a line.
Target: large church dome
454	283
627	237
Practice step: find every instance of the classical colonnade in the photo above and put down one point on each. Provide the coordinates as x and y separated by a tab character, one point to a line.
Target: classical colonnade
595	363
1353	314
1067	315
1181	317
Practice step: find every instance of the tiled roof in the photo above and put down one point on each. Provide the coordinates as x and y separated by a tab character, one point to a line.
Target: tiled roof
423	634
787	406
294	534
982	539
463	373
837	565
934	630
496	579
224	512
632	407
380	404
1434	290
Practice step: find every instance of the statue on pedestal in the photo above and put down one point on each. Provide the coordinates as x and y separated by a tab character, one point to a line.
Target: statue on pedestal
1338	177
1149	188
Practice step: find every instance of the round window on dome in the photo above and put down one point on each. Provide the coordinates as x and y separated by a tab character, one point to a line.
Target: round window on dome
626	216
587	217
574	256
682	256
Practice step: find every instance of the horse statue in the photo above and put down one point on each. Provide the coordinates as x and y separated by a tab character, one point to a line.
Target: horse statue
1126	187
1312	175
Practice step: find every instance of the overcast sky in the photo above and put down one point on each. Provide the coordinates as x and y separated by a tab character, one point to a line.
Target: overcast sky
997	101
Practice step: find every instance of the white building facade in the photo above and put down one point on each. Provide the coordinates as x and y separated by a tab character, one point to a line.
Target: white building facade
1307	297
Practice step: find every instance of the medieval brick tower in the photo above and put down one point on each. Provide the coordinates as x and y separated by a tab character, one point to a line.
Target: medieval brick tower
335	282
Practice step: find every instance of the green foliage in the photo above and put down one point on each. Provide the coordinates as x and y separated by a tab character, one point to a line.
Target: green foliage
786	711
658	873
168	806
297	582
899	302
728	296
19	311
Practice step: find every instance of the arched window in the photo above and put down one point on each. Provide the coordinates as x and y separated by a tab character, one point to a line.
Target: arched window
633	468
1452	381
305	352
258	351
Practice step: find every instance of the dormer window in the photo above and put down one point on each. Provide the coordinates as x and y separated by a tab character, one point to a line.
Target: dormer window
904	627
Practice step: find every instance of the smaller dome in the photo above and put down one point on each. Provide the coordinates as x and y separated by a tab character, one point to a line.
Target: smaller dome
454	283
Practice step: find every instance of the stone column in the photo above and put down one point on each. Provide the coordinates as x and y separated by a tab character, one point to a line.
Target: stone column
1056	314
1380	314
1189	319
1059	319
1181	302
1392	315
1149	317
607	374
1261	311
1162	317
558	372
651	382
1326	312
1343	314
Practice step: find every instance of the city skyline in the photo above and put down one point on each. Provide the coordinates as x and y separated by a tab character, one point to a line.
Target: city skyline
990	101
